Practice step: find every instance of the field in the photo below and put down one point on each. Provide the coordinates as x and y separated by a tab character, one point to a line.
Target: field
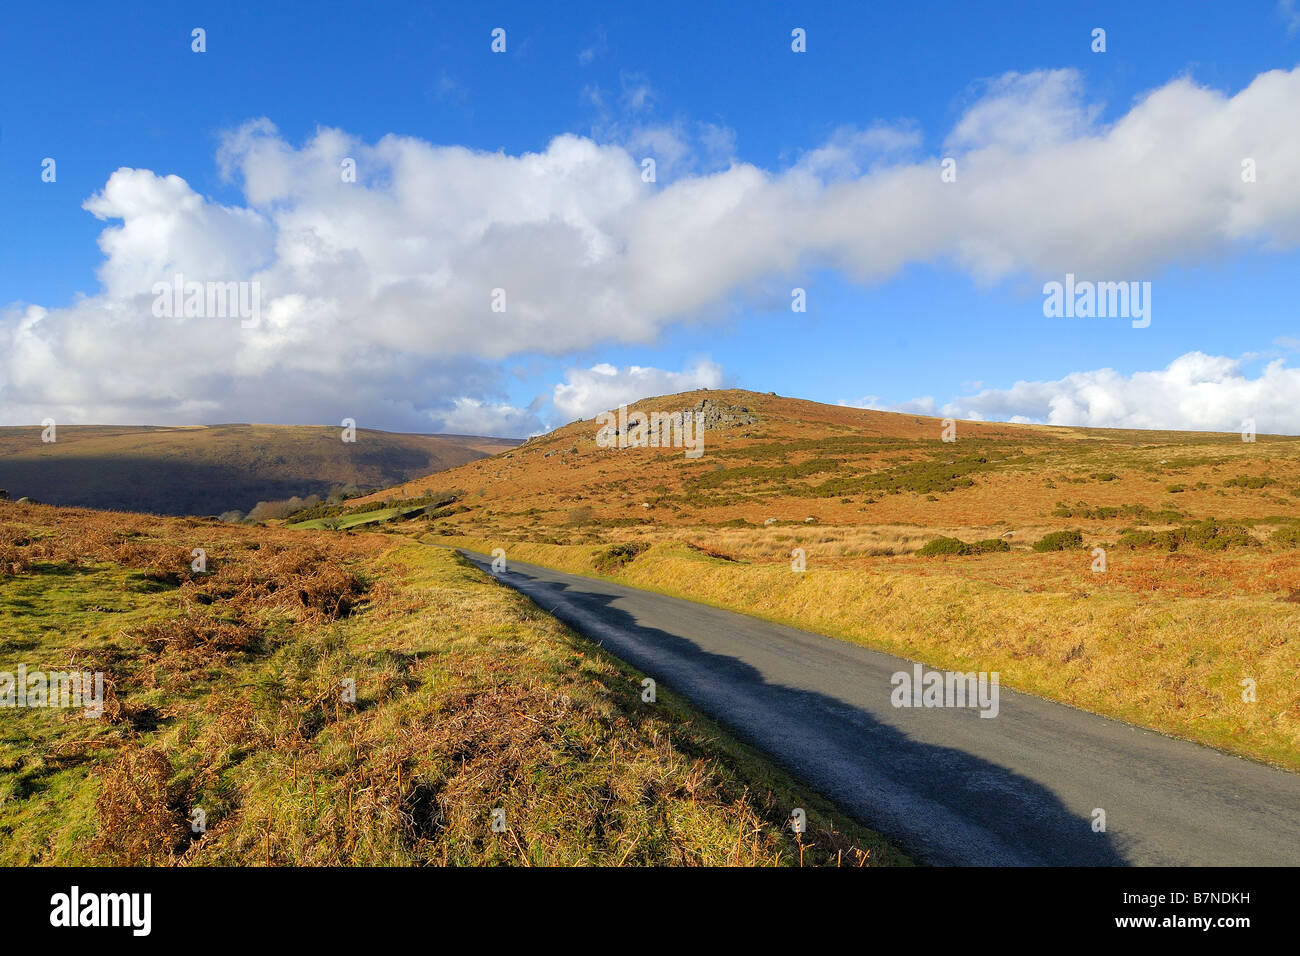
216	469
1149	576
853	468
226	693
1152	577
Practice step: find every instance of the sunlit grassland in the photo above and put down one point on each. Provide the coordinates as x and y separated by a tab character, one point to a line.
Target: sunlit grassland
846	467
1113	643
363	519
226	690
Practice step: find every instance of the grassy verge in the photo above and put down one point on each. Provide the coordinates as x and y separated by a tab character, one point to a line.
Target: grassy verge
1168	662
225	697
345	522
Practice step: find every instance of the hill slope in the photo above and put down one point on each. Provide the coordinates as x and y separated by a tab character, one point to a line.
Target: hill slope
211	469
1153	577
768	457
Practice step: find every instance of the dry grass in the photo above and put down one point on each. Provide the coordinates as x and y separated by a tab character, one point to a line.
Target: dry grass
225	696
1162	642
887	474
1162	639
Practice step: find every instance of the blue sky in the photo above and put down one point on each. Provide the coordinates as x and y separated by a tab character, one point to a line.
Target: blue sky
705	88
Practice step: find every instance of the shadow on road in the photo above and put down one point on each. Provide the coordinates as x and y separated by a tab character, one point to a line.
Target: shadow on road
941	805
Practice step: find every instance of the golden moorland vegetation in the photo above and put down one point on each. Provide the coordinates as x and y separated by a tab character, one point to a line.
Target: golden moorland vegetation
1145	575
226	692
223	686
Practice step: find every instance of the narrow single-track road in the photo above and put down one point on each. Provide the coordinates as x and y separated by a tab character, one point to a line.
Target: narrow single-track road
947	785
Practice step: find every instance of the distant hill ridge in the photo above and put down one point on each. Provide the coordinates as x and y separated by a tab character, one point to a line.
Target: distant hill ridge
769	459
202	470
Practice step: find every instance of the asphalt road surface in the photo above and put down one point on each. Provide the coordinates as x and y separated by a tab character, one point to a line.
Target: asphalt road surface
945	784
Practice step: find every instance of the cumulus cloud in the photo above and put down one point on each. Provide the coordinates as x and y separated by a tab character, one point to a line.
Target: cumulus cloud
470	416
588	391
850	151
377	294
1025	112
1196	392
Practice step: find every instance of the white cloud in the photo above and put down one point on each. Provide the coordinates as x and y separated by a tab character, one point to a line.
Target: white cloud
1195	392
1290	16
377	293
598	48
166	228
470	416
916	406
638	94
1025	112
586	392
850	151
679	146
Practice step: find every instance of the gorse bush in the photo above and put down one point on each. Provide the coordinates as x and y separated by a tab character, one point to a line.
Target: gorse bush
1288	537
920	477
435	512
1105	512
1060	541
609	560
925	477
1208	535
1249	481
779	473
944	545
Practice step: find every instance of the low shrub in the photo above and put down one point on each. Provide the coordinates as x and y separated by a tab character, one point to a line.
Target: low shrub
1288	537
1106	512
1162	540
611	559
1248	481
942	545
945	545
1208	535
1060	541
